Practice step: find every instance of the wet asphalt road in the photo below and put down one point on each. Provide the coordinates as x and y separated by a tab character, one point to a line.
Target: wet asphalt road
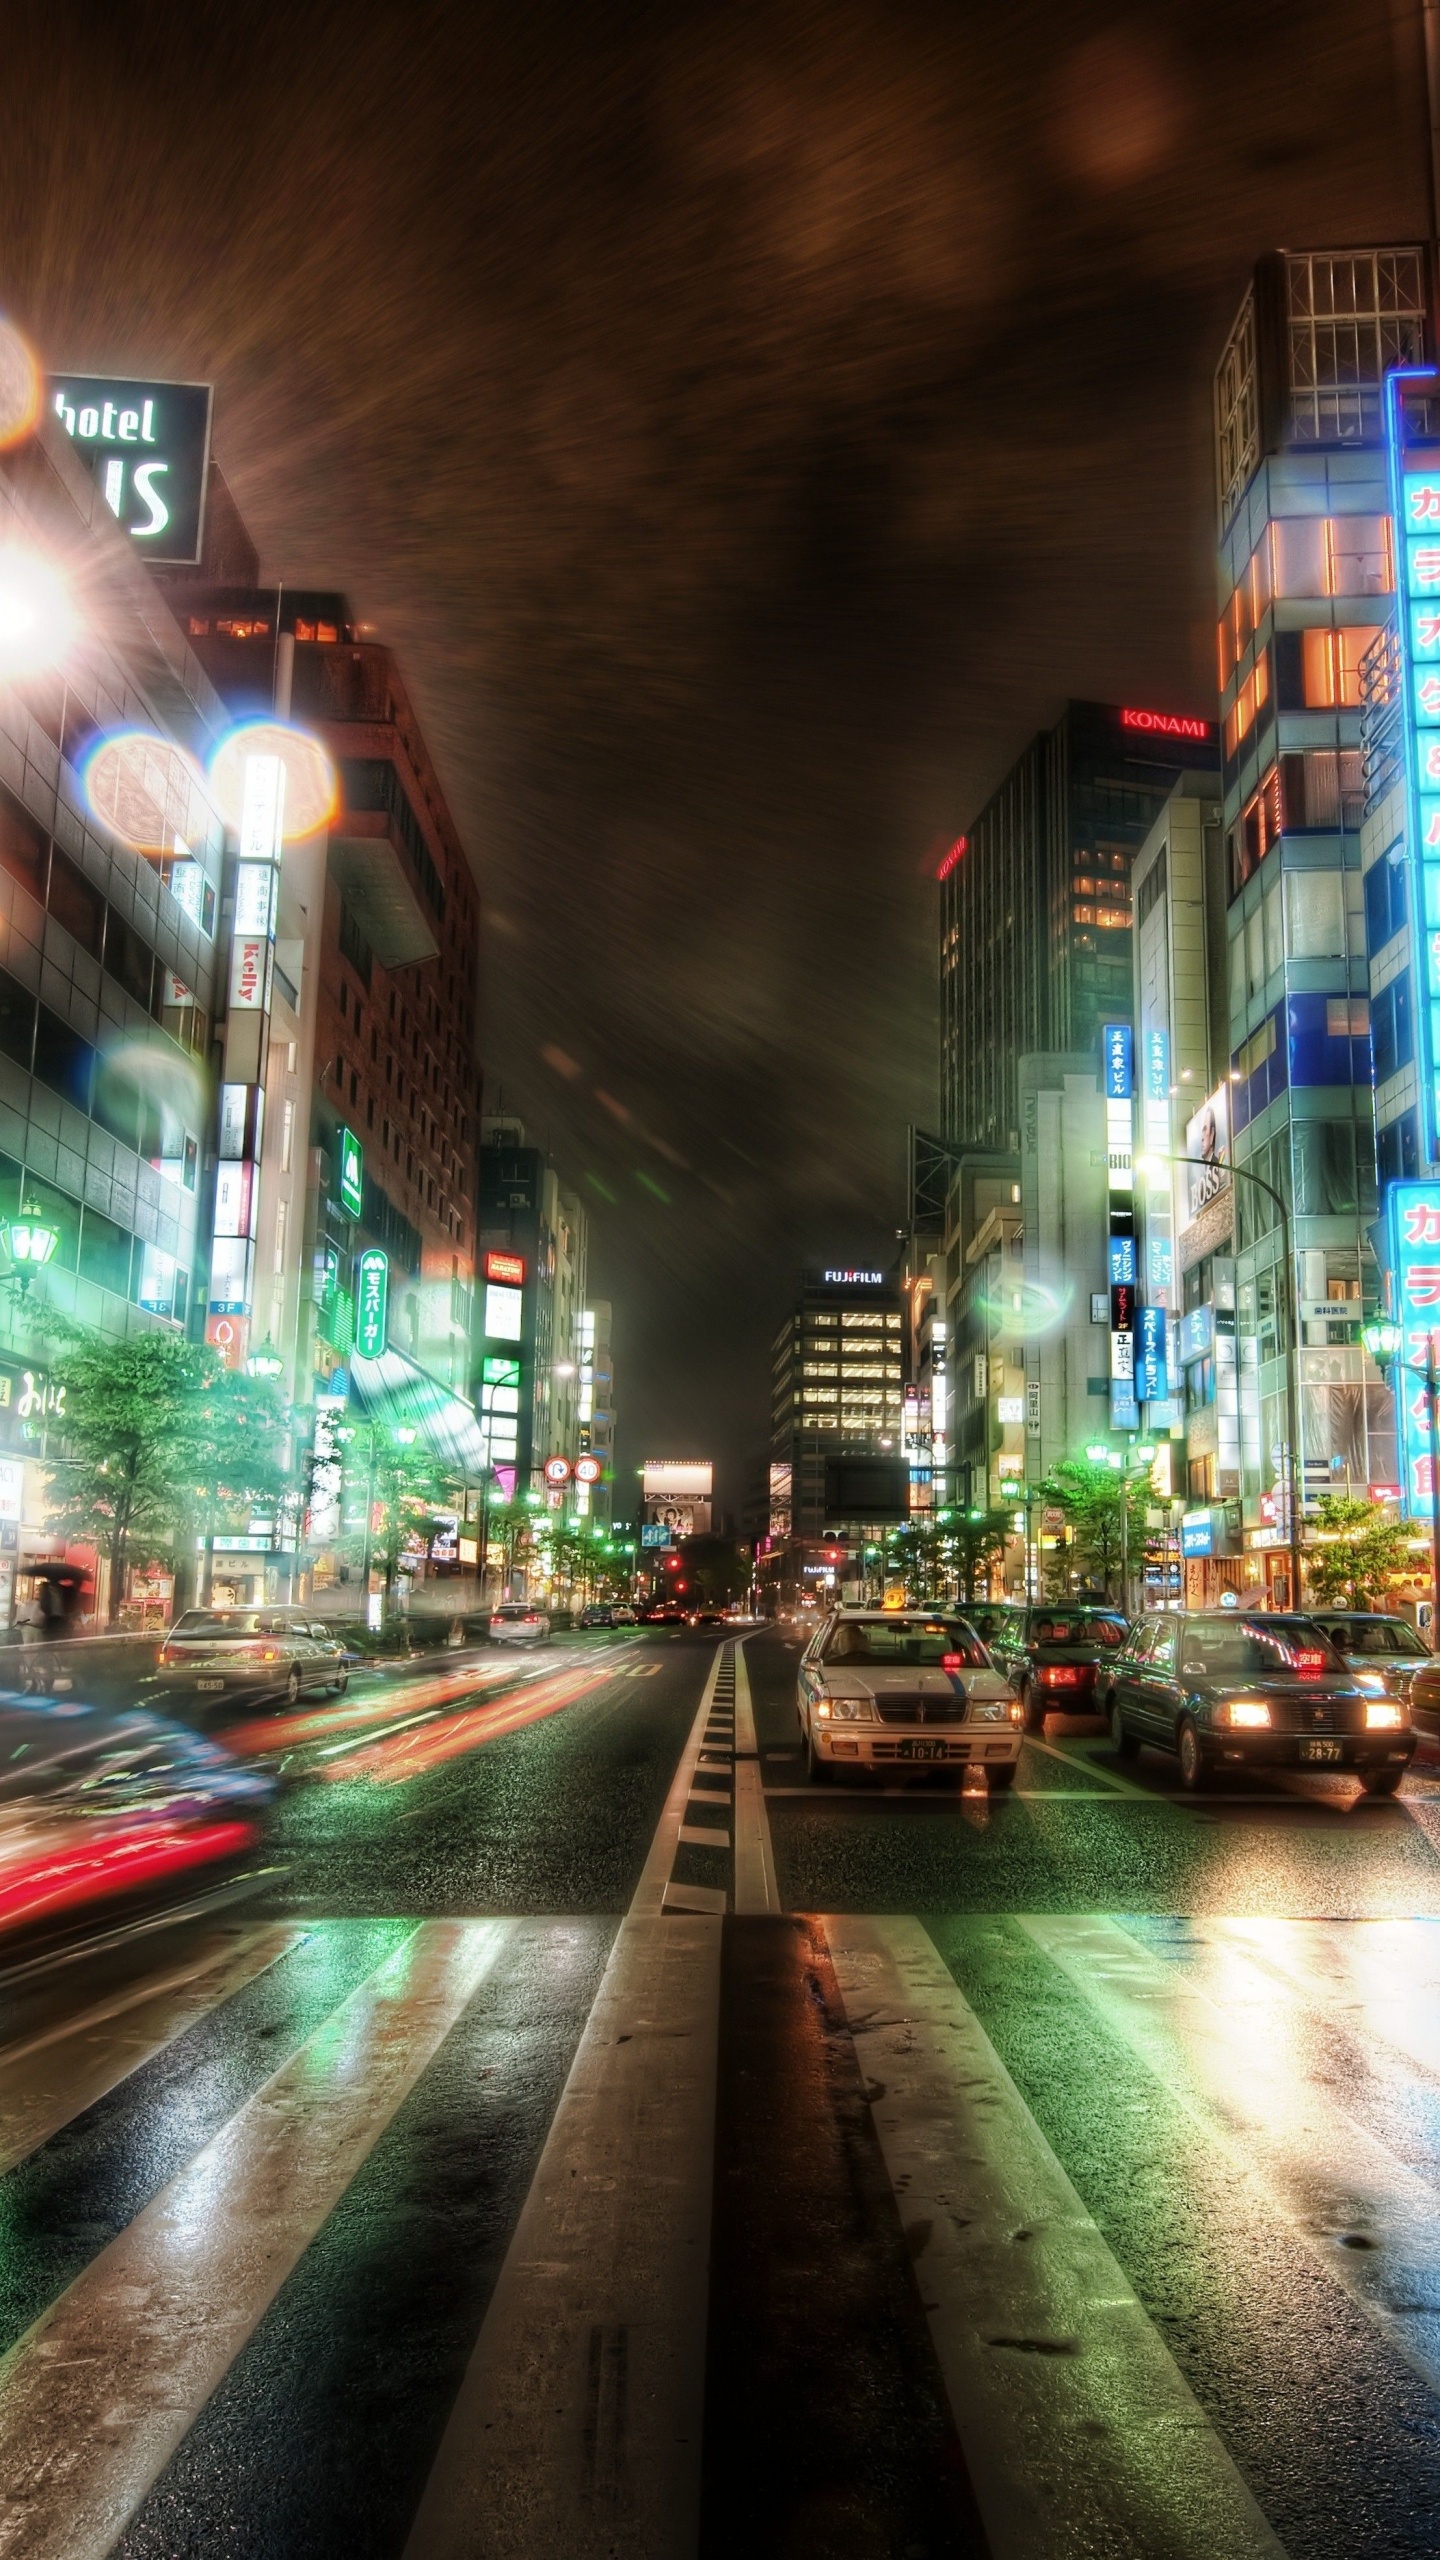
1219	2022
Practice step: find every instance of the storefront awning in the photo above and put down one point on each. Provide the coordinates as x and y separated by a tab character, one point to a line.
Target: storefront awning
392	1390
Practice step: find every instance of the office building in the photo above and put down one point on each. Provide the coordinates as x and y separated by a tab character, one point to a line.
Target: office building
837	1396
1307	573
595	1411
1035	905
533	1250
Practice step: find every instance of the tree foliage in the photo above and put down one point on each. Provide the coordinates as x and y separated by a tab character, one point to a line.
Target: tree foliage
1364	1554
1093	1498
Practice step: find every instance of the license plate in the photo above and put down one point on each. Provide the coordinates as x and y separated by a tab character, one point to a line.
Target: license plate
209	1684
920	1750
1322	1751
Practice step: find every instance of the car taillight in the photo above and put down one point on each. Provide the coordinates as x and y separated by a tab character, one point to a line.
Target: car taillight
950	1662
1061	1675
168	1657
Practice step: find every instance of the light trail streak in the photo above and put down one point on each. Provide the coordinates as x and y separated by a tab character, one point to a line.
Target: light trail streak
389	1761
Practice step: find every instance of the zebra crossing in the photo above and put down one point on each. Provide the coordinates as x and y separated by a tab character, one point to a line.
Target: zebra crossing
397	2238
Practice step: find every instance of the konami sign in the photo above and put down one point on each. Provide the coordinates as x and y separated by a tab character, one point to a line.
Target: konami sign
1166	724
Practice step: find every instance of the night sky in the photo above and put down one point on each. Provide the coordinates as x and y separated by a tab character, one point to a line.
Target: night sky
748	423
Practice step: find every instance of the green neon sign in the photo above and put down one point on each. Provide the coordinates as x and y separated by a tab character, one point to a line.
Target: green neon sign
352	1172
372	1303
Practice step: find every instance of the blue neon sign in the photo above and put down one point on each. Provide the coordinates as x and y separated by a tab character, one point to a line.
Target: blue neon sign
1414	466
1119	1053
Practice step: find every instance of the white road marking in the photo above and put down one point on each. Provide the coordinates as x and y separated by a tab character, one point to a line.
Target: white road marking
96	2396
93	2051
704	1835
755	1886
577	2429
1235	2051
1079	2431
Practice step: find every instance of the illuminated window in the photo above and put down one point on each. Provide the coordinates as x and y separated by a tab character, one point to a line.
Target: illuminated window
821	1369
863	1324
1331	665
1347	1018
1242	713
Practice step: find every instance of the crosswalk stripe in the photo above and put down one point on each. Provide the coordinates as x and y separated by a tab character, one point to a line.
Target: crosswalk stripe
1230	2049
48	2079
577	2429
1382	1976
97	2395
1079	2431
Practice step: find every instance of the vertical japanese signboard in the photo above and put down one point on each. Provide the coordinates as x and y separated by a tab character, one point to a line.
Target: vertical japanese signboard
1413	1209
372	1297
1118	1059
1412	417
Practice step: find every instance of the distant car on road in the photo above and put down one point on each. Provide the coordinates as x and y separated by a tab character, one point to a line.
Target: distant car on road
1054	1658
624	1615
597	1615
707	1618
517	1622
275	1651
896	1690
1264	1689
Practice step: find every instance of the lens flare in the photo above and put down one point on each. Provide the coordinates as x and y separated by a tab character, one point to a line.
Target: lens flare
311	793
147	791
20	387
37	619
1022	1307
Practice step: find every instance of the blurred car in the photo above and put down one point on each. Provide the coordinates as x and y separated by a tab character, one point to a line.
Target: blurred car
1056	1657
663	1615
516	1622
216	1652
1263	1689
624	1615
902	1689
1383	1652
597	1615
99	1806
707	1618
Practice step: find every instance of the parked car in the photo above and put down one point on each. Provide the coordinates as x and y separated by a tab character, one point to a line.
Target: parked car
1384	1652
217	1653
1056	1657
1260	1690
517	1622
598	1614
708	1618
624	1615
900	1689
991	1618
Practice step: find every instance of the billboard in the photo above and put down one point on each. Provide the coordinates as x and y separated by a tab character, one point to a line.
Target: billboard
677	1495
1413	1210
1207	1143
148	445
872	1490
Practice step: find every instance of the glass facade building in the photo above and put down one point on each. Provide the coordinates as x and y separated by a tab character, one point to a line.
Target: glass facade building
1306	576
1035	921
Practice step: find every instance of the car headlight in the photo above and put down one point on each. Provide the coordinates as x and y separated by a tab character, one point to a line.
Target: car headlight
1246	1713
1382	1715
990	1710
845	1710
1372	1682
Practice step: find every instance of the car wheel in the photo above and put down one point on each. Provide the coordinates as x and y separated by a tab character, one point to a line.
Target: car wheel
342	1684
1381	1782
1002	1775
816	1769
1126	1742
1194	1767
292	1685
1034	1706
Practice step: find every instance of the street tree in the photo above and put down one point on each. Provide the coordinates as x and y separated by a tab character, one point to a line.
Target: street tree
1093	1499
977	1541
122	1470
1361	1555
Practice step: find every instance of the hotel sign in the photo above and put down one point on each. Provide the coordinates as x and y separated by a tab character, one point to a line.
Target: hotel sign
148	446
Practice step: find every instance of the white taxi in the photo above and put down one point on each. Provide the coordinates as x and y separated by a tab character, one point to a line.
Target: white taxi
901	1690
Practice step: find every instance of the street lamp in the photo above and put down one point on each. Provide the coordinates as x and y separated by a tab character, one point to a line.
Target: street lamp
1242	1173
1384	1340
30	1243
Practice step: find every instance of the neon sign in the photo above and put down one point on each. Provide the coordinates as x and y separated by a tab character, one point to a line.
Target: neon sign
1413	1211
956	854
1414	458
1166	724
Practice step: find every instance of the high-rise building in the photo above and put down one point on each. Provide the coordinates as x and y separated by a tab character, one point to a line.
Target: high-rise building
838	1390
111	980
595	1412
533	1249
1035	904
1307	572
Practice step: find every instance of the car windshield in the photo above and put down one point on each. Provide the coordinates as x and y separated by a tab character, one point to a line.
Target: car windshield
1076	1627
1373	1635
235	1622
1243	1650
917	1643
